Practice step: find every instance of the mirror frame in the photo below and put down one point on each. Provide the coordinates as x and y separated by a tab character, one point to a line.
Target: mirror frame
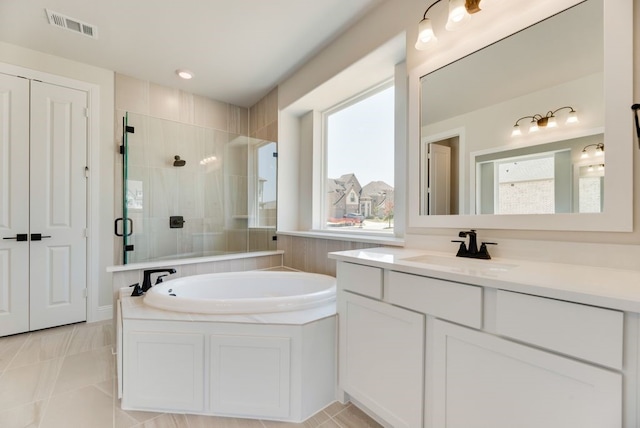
618	93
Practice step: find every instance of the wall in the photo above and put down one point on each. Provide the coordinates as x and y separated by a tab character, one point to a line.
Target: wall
607	249
42	62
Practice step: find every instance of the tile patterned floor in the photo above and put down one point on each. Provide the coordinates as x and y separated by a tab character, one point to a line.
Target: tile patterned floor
65	377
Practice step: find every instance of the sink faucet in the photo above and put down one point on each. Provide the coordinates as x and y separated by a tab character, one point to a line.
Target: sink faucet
472	251
146	282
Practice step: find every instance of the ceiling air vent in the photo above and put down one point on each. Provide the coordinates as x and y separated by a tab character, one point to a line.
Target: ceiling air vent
72	24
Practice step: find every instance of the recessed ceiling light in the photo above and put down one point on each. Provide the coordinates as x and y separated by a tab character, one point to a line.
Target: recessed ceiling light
185	74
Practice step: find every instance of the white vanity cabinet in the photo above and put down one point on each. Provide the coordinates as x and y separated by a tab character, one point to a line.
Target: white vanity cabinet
483	381
381	347
492	358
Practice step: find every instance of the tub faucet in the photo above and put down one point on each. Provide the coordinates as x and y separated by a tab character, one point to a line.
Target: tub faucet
146	282
471	250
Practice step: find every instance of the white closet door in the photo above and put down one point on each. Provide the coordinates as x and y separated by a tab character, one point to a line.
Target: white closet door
14	204
58	198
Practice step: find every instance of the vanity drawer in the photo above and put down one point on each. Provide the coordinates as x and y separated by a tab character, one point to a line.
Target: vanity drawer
452	301
587	332
365	280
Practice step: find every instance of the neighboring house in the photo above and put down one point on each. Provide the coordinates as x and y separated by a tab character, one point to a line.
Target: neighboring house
377	199
345	195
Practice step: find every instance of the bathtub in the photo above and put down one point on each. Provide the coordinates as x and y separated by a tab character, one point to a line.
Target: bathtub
257	345
249	292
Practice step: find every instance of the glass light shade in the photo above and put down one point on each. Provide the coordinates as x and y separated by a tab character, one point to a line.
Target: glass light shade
599	151
551	122
533	127
601	167
573	118
426	36
590	169
584	154
516	131
458	15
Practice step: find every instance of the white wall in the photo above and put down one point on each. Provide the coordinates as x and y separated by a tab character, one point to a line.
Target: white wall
105	80
392	17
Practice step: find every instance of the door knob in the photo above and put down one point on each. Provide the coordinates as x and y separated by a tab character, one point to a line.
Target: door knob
38	236
20	237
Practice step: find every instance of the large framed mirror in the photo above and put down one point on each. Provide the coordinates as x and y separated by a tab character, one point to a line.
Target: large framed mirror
572	66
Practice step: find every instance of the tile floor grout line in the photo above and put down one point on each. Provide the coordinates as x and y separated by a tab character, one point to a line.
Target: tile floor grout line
16	354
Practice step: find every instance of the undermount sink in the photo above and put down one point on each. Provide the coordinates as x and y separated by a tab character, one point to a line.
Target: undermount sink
461	263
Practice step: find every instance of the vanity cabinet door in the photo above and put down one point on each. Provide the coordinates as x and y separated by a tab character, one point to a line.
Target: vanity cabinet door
381	358
483	381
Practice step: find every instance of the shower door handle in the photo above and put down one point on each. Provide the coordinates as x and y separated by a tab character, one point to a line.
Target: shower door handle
115	226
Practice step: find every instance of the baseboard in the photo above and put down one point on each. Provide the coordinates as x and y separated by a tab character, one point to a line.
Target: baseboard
103	313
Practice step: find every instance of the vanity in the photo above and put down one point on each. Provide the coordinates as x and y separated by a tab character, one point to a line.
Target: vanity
427	339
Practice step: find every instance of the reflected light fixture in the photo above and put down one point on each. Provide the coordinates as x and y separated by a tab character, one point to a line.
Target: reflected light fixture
599	151
459	13
547	121
184	74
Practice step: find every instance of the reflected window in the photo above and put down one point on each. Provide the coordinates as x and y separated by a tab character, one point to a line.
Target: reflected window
526	186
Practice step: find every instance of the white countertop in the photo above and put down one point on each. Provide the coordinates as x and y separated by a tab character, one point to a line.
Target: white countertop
597	286
134	308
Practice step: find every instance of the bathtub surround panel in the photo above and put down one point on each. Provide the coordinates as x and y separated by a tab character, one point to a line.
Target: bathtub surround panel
249	366
310	254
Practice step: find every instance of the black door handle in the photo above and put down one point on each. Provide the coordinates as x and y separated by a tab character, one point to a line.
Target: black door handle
20	237
38	236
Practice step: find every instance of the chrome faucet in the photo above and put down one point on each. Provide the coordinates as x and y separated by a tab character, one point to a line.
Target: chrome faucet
146	282
472	251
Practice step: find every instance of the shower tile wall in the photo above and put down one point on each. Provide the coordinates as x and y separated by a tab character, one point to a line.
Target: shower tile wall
181	189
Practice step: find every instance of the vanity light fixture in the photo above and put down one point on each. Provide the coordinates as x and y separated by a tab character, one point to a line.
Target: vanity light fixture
599	151
184	74
459	13
547	121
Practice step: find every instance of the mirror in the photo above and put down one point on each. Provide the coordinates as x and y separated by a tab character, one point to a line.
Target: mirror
472	171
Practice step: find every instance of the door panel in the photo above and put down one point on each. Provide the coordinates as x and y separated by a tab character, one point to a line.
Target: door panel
58	205
14	204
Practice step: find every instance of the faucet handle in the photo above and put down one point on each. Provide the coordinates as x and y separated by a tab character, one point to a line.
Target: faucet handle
483	253
137	291
462	250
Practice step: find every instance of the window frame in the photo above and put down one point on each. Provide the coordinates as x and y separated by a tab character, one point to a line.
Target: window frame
320	207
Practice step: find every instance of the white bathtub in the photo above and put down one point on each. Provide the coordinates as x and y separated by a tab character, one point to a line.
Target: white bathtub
243	292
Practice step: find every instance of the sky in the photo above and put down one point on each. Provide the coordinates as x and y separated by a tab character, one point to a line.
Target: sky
361	139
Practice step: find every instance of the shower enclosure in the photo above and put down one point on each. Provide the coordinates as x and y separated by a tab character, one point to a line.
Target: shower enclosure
190	191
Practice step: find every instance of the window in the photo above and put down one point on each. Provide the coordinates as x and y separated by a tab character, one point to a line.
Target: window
359	156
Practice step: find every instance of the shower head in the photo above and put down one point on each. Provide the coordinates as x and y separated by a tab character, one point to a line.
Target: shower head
178	161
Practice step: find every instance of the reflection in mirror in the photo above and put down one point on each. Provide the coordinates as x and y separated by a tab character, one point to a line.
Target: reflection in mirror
471	163
540	179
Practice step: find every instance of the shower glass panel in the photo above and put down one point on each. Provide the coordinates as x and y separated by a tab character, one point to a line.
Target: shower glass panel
190	191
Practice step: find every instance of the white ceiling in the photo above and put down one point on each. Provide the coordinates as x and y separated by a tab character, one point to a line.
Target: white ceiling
237	49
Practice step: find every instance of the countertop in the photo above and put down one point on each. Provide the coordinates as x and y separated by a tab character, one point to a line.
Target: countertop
597	286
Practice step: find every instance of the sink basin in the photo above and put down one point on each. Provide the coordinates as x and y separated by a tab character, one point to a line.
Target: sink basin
461	263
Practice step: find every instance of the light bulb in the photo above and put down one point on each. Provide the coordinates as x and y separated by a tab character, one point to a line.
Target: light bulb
426	36
457	15
184	74
516	131
573	118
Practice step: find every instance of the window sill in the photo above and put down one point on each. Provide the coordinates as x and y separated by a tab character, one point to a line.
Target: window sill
370	238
